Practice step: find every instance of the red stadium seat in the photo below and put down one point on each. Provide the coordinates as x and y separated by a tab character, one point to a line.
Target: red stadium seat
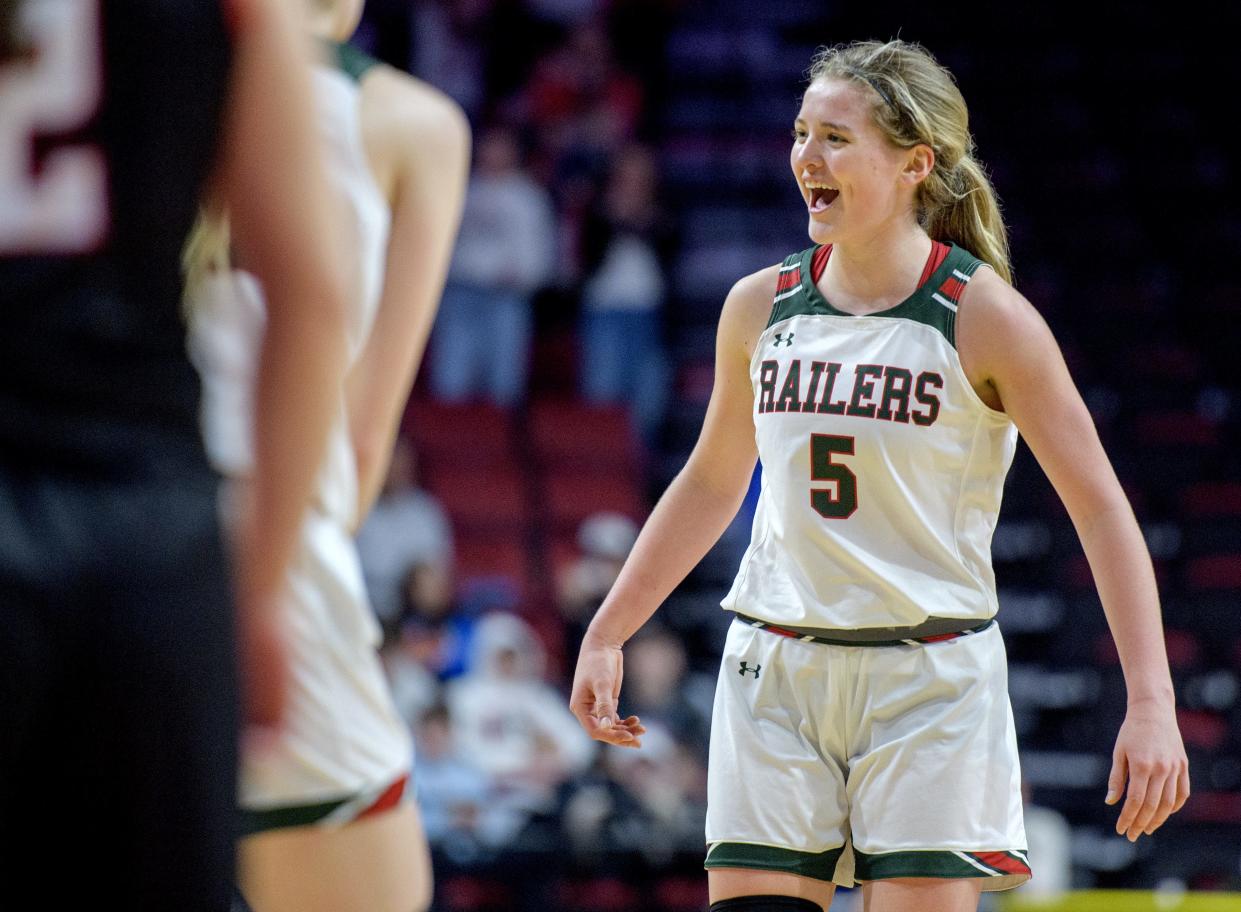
583	435
569	497
459	434
481	557
682	894
1201	728
1212	498
481	498
1175	429
605	894
1216	571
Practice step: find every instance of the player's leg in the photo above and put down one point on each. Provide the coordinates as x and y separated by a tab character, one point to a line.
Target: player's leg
776	795
377	864
742	890
364	849
917	894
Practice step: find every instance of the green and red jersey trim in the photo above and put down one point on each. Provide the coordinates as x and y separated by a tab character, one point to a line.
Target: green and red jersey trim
934	303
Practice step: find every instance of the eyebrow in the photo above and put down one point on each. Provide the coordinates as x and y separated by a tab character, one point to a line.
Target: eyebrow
829	125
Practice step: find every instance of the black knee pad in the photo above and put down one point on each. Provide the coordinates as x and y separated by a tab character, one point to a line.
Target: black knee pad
765	904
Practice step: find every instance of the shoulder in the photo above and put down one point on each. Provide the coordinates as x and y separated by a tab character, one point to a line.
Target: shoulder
406	120
401	100
997	325
757	286
994	305
747	308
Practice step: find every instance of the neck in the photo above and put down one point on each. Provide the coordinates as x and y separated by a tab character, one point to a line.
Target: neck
879	270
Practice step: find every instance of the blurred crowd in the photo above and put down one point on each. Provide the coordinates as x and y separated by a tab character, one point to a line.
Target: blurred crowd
503	770
564	229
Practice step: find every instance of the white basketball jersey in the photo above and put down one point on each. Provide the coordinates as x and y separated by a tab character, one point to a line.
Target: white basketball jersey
882	468
342	737
228	314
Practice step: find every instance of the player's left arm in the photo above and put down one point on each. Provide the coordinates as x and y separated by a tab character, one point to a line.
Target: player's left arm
418	142
1005	345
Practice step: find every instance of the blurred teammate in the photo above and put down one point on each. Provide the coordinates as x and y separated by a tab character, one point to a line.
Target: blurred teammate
862	729
118	671
329	818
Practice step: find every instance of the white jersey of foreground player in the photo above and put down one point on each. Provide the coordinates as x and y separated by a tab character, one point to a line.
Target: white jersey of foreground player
342	738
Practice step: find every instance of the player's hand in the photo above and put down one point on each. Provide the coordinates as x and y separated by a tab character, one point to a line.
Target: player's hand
596	692
1150	758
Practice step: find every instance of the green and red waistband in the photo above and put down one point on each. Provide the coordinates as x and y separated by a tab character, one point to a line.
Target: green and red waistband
933	630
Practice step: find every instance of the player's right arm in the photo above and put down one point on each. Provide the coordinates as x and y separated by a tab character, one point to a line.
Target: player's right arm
690	517
270	179
418	143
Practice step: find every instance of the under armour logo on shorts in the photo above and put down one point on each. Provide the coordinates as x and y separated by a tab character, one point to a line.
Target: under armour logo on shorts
746	669
781	339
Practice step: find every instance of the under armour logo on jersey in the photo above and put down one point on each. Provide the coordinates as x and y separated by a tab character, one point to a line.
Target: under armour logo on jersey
781	340
746	669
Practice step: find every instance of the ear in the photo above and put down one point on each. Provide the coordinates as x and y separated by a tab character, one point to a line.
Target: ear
918	164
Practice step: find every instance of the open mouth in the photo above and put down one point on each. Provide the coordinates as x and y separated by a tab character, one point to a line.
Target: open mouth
821	198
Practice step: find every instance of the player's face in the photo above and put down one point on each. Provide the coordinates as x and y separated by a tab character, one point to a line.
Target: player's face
849	174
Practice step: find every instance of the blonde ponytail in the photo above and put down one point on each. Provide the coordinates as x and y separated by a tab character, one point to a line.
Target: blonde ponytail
206	251
967	213
917	102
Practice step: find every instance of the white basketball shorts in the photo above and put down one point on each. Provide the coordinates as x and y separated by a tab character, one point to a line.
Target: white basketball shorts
857	763
343	750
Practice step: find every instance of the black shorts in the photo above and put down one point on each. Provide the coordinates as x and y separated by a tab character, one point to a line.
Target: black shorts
118	695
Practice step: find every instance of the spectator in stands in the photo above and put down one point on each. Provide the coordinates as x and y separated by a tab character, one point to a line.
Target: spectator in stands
505	252
650	802
437	632
625	240
514	725
456	796
604	540
414	688
407	526
657	688
583	106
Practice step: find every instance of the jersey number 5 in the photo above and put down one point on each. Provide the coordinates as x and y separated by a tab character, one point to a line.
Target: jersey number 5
840	503
60	206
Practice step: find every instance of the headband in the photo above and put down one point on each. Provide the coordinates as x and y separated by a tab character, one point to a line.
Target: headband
874	84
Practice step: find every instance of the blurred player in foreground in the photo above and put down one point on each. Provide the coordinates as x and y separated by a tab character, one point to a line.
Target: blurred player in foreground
118	658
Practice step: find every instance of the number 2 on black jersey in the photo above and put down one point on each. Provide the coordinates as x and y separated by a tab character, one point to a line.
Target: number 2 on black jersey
842	502
60	206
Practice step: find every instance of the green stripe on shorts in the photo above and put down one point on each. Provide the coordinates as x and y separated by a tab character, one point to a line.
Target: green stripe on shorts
941	864
819	865
281	818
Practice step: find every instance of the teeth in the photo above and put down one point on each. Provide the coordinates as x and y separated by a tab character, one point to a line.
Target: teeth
818	185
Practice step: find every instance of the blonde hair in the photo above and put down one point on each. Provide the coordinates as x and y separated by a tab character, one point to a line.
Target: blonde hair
206	250
917	102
